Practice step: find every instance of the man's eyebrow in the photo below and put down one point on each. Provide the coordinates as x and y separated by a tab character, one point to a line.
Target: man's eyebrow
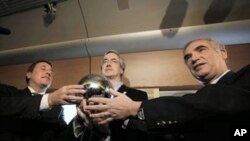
200	46
42	66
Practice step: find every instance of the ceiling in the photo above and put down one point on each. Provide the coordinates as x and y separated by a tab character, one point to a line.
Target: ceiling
166	13
108	23
8	7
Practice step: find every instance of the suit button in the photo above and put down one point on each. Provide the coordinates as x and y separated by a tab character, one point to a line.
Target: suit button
158	123
182	136
163	123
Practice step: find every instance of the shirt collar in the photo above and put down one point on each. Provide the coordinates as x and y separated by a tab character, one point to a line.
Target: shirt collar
33	91
214	81
117	85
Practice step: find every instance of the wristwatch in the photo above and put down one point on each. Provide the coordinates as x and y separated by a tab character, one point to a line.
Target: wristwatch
140	114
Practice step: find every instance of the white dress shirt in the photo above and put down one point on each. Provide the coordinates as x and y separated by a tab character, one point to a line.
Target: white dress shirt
215	80
44	105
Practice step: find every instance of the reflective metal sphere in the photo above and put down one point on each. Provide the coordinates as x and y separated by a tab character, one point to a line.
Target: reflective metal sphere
96	85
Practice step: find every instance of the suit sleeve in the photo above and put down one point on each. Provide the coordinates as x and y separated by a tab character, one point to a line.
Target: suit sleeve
214	102
12	103
140	95
134	123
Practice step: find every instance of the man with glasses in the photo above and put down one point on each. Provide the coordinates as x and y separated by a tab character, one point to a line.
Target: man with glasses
113	68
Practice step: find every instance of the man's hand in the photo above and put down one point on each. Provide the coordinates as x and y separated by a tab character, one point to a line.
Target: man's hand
91	122
82	113
118	107
66	95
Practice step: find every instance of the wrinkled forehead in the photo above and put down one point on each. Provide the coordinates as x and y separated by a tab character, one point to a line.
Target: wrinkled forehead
43	64
193	45
111	56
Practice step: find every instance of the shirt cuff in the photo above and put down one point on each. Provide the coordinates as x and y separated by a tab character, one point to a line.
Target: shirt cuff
44	103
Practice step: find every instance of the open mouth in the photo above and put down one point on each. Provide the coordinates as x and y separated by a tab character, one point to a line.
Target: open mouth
47	77
197	66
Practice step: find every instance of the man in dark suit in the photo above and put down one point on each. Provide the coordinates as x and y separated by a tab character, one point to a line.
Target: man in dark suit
113	67
213	113
31	114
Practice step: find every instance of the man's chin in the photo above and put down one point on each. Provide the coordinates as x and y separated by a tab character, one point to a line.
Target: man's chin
45	86
202	77
108	75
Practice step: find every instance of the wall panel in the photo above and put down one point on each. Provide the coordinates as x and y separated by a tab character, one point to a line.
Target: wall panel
163	69
65	72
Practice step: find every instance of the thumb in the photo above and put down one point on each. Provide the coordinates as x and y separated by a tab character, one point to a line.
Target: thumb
115	93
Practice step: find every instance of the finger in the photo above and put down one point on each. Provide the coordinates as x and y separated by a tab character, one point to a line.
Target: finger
115	93
83	116
74	87
98	115
83	104
96	107
99	100
75	91
80	106
74	98
107	120
97	120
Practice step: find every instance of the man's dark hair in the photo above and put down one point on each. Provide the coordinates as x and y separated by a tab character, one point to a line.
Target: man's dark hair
32	66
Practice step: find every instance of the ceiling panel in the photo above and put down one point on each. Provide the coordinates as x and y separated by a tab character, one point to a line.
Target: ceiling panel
8	7
91	20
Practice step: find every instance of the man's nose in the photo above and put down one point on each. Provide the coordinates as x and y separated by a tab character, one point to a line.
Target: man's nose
108	63
49	72
195	57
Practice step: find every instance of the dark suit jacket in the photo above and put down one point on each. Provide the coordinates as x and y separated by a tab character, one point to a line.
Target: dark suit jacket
212	113
21	119
13	104
117	132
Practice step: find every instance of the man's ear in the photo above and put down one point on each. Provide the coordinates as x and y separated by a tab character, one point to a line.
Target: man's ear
224	54
28	75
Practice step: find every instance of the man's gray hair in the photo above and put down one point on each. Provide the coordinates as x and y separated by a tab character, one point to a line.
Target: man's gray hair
216	44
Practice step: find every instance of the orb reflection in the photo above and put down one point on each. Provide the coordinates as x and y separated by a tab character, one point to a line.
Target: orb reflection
96	85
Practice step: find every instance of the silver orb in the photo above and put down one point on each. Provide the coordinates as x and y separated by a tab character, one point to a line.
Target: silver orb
96	85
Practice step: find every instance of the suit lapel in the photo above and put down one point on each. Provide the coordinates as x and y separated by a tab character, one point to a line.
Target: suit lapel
128	91
227	78
26	92
123	88
53	115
